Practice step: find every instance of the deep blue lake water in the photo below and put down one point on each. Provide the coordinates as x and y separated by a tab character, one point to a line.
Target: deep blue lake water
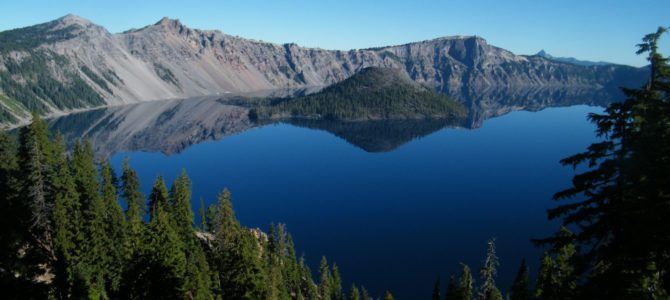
396	219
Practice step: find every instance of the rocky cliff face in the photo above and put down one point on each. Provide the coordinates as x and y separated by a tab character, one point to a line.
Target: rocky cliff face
71	58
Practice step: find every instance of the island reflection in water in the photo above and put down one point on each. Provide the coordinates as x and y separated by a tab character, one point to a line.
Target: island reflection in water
173	125
416	193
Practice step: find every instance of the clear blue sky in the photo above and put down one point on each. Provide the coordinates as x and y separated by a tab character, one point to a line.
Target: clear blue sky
587	29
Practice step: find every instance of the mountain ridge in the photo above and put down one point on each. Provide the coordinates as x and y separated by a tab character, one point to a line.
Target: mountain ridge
91	67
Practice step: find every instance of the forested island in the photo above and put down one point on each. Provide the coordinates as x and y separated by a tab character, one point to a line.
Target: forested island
371	94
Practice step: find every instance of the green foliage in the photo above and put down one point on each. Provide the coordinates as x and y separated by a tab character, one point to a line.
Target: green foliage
28	38
488	272
38	83
66	237
521	287
373	93
466	283
159	197
67	220
354	293
115	224
436	290
626	195
160	273
364	294
130	190
166	74
325	280
453	291
96	79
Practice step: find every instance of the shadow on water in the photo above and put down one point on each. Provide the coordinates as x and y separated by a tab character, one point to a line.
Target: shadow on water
173	125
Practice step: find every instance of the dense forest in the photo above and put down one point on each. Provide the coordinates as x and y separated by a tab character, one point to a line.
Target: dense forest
371	94
66	236
615	238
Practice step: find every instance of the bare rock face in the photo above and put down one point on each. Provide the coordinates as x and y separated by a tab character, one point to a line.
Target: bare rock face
168	60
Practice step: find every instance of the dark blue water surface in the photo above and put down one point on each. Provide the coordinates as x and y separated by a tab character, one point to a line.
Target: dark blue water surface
399	219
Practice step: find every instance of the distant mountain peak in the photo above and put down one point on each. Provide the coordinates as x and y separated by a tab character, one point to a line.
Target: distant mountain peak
169	23
543	53
71	19
571	60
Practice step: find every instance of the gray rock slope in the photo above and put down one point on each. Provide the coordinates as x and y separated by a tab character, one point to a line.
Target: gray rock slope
169	60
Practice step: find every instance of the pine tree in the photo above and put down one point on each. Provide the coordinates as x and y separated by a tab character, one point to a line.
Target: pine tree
237	254
181	201
11	217
93	271
115	226
197	278
488	272
130	186
159	197
354	293
161	273
627	192
453	292
521	287
307	286
325	280
67	220
338	294
466	283
544	288
365	295
35	160
436	289
203	216
388	295
292	269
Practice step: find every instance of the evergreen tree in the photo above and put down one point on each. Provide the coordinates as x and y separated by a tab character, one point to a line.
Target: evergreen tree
197	278
181	202
453	292
544	288
388	295
67	220
338	294
237	254
160	273
325	280
115	224
307	286
521	287
354	293
159	197
627	192
35	160
488	272
364	294
27	206
203	216
11	237
436	290
130	186
466	283
292	272
94	267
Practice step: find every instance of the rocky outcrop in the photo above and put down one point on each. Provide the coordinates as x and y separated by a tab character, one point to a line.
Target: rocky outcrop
169	60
